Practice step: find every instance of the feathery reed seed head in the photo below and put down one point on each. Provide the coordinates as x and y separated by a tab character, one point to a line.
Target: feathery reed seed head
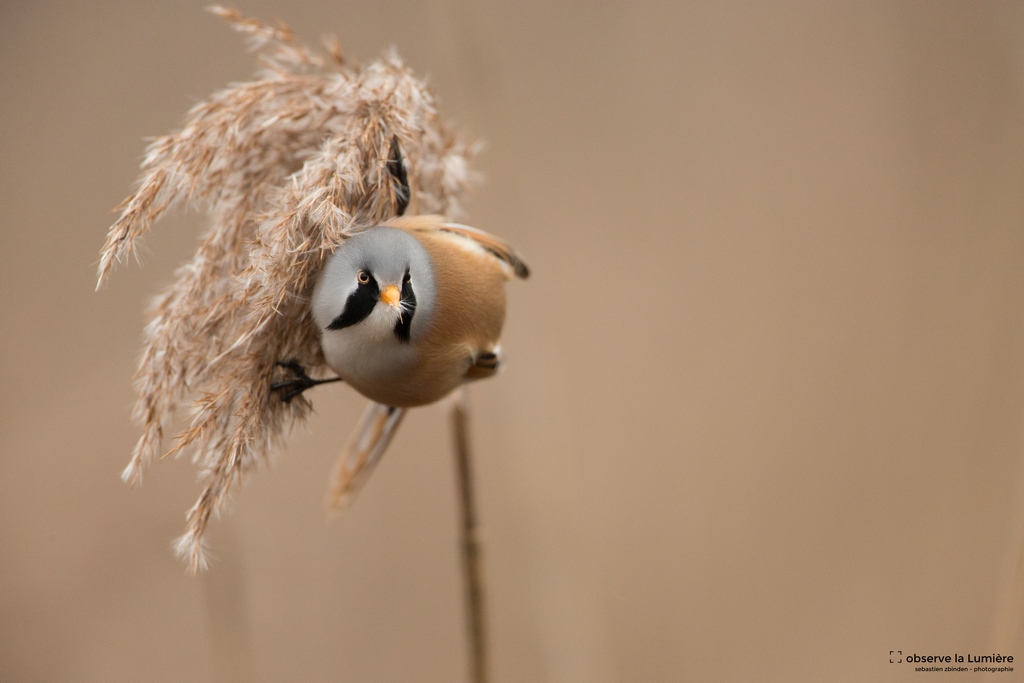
286	166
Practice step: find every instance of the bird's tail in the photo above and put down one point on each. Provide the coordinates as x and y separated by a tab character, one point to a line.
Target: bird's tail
364	448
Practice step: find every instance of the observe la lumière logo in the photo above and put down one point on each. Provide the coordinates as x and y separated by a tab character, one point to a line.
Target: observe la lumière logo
993	663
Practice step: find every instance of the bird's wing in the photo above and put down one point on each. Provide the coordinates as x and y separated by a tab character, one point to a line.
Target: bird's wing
494	245
364	448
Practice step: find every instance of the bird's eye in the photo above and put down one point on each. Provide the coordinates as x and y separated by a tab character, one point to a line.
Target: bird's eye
363	277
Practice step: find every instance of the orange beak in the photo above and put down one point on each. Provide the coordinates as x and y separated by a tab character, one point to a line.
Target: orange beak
391	296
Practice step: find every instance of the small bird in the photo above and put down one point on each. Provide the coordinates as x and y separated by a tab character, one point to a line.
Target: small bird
408	311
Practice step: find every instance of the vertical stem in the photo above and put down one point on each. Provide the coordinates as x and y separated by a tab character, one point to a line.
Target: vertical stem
472	560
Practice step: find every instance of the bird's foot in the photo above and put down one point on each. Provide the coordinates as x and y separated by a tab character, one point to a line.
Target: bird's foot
487	361
293	387
485	364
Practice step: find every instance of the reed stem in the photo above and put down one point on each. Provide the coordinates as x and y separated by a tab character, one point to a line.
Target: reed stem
472	558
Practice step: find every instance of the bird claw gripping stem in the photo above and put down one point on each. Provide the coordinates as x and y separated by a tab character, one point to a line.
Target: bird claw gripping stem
293	387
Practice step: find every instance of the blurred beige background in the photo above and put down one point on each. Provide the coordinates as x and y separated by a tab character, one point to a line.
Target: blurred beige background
763	416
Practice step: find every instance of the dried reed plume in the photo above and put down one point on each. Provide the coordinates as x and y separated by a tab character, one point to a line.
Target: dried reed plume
286	166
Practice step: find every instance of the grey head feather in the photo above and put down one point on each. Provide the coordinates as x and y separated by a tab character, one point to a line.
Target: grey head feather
385	253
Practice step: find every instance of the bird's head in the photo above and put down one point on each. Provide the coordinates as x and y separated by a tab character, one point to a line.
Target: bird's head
378	285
